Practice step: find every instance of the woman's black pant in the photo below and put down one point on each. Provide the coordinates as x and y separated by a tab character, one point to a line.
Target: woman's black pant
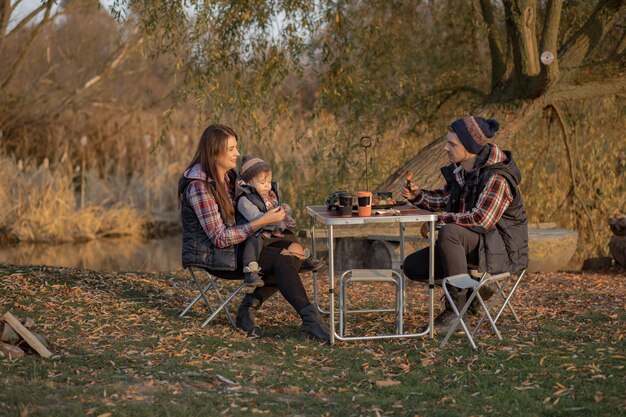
280	273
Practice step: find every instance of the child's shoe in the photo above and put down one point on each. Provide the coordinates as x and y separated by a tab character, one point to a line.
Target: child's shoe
252	275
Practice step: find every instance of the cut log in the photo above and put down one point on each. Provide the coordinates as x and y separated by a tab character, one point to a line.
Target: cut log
9	335
12	352
32	341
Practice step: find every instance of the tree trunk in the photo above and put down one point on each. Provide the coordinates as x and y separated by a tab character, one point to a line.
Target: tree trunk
549	38
582	43
498	63
521	19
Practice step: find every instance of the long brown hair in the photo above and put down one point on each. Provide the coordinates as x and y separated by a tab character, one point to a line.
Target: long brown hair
213	142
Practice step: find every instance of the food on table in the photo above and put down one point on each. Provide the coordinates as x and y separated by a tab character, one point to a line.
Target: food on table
376	201
409	177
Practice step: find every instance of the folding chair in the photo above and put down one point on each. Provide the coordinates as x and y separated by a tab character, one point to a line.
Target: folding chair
214	287
465	281
369	276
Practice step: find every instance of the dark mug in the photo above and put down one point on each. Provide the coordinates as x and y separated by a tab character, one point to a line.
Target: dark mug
345	205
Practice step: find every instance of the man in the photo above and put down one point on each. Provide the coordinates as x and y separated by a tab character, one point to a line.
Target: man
483	219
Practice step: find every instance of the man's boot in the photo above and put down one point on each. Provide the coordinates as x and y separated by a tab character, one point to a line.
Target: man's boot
486	292
313	327
245	316
446	318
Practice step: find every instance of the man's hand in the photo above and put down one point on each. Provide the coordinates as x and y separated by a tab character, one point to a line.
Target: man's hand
425	230
411	192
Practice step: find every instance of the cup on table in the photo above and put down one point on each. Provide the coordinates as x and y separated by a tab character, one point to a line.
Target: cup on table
345	205
364	201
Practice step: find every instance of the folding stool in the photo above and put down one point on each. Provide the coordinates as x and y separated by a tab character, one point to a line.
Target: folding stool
369	275
214	287
465	281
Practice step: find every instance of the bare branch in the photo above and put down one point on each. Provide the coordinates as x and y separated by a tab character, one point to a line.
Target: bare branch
448	93
114	60
570	163
578	47
33	36
5	16
613	86
621	47
498	64
25	21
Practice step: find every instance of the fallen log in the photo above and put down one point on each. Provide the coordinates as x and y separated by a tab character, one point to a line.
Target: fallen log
29	337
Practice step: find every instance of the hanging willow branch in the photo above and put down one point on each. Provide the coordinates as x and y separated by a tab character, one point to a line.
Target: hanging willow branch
570	161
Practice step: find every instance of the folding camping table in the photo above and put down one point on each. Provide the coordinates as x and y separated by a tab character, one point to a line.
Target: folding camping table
402	216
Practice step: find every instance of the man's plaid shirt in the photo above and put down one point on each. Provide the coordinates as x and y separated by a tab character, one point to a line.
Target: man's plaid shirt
492	202
207	210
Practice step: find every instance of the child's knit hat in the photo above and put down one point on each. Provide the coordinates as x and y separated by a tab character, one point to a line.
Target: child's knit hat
473	131
252	166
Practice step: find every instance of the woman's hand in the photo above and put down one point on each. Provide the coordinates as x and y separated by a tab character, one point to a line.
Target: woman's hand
273	217
411	192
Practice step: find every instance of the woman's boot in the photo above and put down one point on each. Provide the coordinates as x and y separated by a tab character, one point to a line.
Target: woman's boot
313	327
245	316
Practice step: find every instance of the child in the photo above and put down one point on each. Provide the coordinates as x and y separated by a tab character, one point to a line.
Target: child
255	196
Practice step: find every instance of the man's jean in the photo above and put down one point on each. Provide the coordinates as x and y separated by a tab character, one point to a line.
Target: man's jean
456	248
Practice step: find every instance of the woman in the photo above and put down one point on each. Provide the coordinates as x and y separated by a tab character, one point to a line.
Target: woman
211	238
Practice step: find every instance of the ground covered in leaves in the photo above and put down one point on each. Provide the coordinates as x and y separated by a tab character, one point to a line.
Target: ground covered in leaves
121	350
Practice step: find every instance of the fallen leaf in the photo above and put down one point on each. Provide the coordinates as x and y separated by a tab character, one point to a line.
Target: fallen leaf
387	383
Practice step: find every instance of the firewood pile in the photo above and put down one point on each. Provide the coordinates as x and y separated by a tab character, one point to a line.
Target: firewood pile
17	339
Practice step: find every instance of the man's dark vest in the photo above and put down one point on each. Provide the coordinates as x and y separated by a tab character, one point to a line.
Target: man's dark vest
249	192
198	250
505	248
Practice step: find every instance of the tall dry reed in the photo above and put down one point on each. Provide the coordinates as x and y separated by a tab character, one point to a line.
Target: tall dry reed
39	204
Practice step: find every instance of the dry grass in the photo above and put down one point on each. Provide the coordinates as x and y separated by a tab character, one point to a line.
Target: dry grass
39	205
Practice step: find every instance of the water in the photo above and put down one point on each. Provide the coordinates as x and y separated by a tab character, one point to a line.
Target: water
121	254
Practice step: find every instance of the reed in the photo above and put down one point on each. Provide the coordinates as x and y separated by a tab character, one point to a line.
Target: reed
39	204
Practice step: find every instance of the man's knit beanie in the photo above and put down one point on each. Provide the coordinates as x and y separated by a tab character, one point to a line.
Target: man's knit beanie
473	131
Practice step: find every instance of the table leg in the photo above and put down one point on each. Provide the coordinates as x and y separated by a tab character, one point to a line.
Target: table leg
314	250
402	284
431	280
331	274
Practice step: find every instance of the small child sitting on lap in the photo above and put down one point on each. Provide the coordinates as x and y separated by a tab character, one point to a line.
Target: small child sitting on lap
256	195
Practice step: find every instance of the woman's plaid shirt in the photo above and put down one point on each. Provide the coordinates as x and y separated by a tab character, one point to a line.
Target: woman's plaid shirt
207	210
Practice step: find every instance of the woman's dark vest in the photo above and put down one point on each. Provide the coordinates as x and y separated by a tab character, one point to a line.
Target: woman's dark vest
505	248
198	250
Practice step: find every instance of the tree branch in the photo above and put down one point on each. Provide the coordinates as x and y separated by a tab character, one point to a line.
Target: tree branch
614	86
112	63
498	64
31	16
33	36
621	47
571	165
579	46
549	37
5	15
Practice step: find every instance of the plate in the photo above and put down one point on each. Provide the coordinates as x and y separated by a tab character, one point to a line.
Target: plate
384	206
